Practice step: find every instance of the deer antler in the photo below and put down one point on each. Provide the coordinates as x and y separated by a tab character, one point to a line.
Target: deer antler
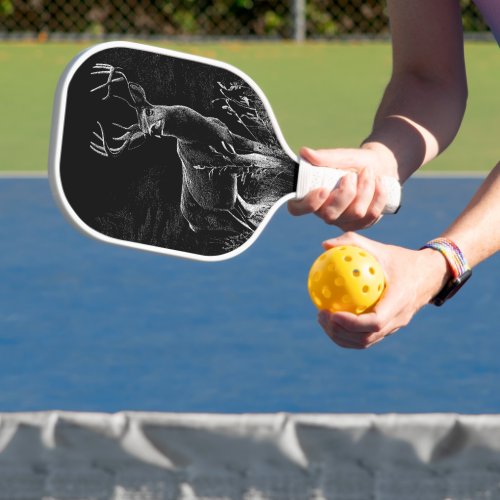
129	140
114	75
136	98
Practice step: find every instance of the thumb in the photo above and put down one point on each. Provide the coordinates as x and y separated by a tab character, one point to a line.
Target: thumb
349	238
336	158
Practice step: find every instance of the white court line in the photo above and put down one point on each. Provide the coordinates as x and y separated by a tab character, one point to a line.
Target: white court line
431	174
452	174
23	175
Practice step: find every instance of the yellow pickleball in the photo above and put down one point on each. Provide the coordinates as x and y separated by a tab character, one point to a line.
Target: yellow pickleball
346	278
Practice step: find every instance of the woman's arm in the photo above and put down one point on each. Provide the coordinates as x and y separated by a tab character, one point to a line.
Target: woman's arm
424	103
419	115
477	230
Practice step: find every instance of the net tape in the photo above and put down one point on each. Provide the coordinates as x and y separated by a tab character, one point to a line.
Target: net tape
159	456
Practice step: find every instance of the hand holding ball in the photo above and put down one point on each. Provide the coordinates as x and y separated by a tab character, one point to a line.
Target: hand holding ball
346	278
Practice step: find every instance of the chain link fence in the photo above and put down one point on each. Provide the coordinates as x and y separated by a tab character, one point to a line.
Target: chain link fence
285	19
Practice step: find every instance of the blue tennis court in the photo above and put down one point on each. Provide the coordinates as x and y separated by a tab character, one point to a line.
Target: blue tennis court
90	327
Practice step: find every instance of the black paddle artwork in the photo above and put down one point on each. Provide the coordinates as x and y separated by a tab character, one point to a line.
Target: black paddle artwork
172	153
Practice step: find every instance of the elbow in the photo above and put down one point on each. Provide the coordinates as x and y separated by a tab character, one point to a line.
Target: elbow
445	92
449	86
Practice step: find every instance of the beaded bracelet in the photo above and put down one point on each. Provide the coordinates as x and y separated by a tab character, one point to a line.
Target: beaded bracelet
452	254
459	267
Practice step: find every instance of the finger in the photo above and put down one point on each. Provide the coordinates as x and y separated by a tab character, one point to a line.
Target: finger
358	224
365	324
339	199
384	319
353	340
376	208
372	221
365	193
348	238
344	344
310	203
336	329
374	211
367	209
362	340
340	339
339	335
355	216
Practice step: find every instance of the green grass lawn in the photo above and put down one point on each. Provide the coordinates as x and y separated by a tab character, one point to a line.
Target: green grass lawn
324	95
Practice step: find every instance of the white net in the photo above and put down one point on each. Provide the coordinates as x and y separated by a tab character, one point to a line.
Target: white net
153	456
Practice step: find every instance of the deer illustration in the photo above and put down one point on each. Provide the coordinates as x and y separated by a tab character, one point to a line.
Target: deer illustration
212	156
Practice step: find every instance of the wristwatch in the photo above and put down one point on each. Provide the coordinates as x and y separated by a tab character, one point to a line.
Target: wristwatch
460	270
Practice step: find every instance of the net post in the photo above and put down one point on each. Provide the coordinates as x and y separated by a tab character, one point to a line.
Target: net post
299	20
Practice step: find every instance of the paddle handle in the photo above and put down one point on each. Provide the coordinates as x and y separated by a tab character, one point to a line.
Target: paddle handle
312	177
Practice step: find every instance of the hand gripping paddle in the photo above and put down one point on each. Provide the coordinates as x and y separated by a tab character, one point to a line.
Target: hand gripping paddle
172	153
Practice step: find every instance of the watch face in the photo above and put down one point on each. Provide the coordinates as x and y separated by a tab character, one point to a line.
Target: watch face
451	288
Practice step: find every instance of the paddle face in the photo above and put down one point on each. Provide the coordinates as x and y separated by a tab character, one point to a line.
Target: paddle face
166	152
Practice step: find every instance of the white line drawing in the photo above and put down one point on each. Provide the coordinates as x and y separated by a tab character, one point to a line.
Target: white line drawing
213	158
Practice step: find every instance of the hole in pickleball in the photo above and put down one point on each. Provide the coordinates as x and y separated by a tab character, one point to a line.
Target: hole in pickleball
356	273
348	258
379	287
346	299
362	254
317	276
366	289
339	281
327	293
372	270
360	309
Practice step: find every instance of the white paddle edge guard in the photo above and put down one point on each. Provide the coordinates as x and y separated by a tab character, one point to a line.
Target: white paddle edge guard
55	148
313	177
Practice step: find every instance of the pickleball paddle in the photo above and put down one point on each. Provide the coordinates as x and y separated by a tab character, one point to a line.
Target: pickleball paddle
172	153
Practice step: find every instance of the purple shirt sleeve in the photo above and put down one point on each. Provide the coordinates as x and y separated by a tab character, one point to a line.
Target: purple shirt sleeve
490	9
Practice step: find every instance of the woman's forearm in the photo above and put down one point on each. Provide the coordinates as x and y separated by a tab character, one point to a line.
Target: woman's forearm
416	121
424	103
477	230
